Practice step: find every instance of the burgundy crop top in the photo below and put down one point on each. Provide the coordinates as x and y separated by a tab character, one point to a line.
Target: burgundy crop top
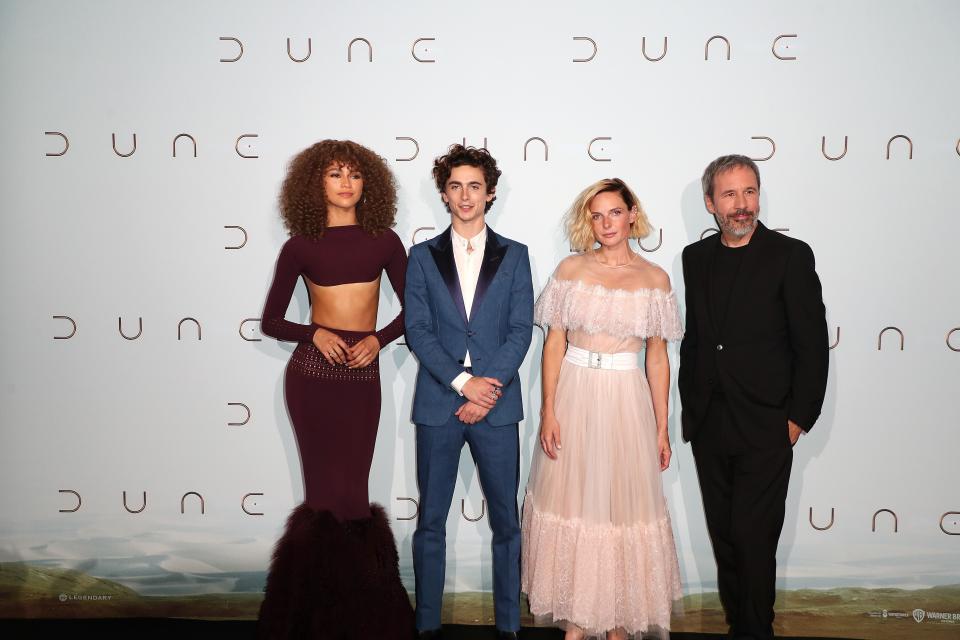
343	255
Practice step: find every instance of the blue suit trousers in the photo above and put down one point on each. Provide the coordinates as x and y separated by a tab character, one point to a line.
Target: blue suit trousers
496	452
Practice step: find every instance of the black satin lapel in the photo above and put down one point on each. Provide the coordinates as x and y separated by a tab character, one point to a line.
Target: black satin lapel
493	254
447	266
706	293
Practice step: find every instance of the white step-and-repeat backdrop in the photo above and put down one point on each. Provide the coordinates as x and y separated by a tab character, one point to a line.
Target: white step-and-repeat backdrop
146	445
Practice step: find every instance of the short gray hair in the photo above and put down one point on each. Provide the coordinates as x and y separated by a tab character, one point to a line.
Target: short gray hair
720	165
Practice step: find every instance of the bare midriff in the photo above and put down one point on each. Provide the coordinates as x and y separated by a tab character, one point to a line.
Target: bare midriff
351	306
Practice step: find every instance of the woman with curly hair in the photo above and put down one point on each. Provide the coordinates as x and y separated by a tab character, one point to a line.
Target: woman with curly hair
337	557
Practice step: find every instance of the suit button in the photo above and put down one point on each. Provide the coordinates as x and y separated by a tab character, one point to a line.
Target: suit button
470	334
719	347
710	381
459	361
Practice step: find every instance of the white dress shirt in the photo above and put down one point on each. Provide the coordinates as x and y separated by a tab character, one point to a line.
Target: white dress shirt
468	272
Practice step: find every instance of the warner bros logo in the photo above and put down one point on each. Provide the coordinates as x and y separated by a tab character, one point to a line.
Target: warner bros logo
919	615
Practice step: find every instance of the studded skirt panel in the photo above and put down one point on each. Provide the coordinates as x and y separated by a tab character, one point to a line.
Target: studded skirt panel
308	361
335	413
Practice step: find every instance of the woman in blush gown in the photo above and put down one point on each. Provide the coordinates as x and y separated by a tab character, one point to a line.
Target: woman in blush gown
598	555
335	570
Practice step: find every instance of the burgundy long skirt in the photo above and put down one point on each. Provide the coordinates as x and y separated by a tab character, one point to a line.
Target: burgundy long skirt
335	571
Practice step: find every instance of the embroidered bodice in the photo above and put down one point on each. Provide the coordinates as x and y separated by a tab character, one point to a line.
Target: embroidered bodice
607	320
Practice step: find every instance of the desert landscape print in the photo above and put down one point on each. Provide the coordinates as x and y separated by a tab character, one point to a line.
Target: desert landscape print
30	591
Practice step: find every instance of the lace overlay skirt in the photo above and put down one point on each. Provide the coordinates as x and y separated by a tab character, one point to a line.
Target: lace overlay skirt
598	548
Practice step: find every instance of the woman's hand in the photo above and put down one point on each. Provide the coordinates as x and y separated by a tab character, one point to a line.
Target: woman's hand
331	346
363	353
663	448
550	435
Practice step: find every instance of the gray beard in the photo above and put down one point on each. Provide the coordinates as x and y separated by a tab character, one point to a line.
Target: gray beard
737	230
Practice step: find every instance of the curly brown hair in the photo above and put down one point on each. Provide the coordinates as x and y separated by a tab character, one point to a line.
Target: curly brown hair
459	155
303	203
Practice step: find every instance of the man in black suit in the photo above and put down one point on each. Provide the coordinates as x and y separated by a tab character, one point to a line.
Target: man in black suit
753	373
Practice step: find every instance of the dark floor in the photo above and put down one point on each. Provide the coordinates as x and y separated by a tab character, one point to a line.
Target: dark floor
150	628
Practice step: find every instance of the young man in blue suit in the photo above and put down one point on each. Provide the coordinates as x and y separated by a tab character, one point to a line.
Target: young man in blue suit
469	321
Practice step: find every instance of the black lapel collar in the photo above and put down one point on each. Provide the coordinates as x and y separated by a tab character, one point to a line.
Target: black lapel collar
442	252
706	302
745	273
493	254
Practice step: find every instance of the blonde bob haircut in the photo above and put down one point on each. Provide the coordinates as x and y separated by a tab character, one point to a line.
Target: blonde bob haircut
578	221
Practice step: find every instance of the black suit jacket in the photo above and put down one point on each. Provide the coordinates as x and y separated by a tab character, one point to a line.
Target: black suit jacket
771	355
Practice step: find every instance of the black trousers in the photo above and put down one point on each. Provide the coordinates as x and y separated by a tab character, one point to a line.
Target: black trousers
744	492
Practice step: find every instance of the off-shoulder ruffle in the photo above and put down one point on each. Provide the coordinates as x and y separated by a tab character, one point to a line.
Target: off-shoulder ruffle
575	305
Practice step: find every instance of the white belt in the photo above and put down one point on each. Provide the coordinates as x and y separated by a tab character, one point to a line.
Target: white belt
617	361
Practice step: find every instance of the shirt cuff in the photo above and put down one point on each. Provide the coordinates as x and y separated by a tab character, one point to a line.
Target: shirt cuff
459	381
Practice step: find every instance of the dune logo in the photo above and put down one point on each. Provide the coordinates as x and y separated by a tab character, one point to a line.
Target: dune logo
590	148
463	510
883	331
257	320
241	230
773	148
413	236
908	142
69	330
778	50
241	422
234	51
245	502
955	523
242	145
948	525
416	509
659	243
187	145
593	147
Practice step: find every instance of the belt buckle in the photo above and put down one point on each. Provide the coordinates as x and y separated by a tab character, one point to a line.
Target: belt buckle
595	360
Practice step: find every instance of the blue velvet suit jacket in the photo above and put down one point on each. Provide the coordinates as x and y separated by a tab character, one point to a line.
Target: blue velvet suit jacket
438	331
